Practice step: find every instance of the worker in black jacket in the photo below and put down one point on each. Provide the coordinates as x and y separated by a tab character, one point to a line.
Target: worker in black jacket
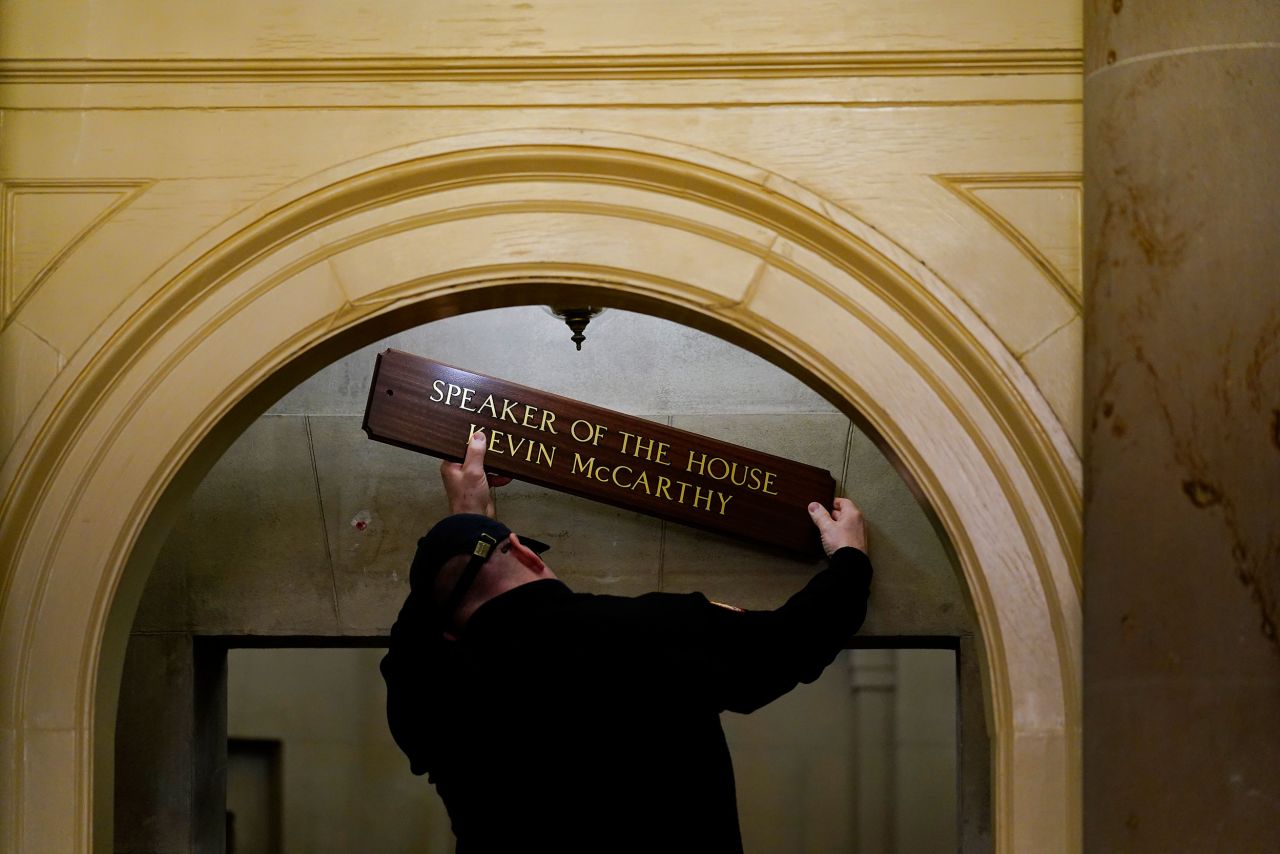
551	720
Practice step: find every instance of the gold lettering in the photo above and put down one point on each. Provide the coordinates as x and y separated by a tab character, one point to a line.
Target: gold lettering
493	441
580	466
529	409
625	437
544	452
454	391
697	497
768	480
507	410
653	450
701	462
514	447
602	470
711	469
488	402
664	487
733	475
573	430
466	398
437	391
594	431
683	487
614	477
724	501
642	481
644	446
548	421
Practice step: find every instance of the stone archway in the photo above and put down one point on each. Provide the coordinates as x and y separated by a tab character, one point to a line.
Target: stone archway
456	225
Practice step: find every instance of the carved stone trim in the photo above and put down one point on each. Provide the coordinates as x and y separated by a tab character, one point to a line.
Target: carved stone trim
964	186
14	293
396	69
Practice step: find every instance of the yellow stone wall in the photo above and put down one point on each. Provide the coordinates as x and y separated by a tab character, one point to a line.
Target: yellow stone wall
193	196
130	131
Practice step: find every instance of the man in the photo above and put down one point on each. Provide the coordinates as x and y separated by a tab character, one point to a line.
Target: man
558	721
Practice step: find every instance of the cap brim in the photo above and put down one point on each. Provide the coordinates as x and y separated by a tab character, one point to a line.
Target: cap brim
535	546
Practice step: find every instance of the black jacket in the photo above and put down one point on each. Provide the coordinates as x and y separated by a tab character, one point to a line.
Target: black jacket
568	721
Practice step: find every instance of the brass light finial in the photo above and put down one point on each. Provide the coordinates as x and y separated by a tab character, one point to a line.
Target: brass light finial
576	319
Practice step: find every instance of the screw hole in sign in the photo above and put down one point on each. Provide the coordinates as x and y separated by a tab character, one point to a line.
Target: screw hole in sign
390	392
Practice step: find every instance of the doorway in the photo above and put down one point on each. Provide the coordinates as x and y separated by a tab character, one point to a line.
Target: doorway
302	532
864	760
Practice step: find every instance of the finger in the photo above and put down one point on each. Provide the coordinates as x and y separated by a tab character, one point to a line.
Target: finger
473	462
819	514
447	468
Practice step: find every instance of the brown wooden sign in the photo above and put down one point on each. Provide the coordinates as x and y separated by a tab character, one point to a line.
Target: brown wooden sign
564	444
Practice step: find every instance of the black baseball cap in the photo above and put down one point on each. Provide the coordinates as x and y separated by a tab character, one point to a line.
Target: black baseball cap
459	534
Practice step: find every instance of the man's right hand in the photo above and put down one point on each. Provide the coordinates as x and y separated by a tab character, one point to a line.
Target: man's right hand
843	526
466	484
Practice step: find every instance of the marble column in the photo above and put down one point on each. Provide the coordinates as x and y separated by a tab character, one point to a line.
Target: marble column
1182	409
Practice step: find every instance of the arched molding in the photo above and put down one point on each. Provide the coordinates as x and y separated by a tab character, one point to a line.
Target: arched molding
467	223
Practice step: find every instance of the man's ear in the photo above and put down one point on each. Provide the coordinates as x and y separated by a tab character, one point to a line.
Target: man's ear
526	555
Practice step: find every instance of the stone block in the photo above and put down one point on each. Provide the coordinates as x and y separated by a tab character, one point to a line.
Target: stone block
378	500
155	744
28	367
251	544
916	590
1055	365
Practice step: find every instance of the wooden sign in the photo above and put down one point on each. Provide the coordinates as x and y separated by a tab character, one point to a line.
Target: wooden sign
564	444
